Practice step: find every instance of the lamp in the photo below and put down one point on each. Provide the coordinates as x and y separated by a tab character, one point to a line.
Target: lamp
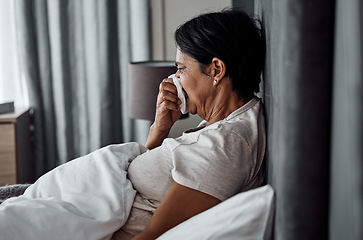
145	78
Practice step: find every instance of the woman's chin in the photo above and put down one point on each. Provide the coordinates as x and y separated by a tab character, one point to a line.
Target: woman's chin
192	110
192	113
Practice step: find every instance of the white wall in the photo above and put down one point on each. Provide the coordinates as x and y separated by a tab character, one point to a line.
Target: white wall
167	15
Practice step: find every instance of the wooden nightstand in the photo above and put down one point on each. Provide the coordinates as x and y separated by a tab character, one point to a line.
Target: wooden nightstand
15	151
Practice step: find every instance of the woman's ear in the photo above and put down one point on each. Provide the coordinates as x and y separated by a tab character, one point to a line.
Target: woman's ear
218	70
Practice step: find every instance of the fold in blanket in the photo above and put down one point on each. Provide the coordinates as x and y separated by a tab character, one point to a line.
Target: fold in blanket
87	198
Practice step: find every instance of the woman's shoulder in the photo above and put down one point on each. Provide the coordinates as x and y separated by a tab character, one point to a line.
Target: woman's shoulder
246	124
245	120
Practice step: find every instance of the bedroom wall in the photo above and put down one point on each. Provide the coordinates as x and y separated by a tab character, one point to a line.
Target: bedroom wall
166	17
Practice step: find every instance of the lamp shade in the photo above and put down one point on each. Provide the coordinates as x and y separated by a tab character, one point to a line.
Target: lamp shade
145	78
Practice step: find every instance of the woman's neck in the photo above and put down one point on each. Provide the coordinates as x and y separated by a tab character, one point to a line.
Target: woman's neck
225	103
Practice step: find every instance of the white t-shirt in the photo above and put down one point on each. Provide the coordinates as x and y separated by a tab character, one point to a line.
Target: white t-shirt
221	160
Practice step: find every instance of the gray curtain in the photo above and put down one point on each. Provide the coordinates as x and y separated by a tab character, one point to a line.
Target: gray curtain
313	86
74	56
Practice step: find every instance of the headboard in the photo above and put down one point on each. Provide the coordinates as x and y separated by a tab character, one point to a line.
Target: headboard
313	95
297	83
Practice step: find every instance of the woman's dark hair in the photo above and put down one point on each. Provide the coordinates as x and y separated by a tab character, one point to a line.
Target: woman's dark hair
232	36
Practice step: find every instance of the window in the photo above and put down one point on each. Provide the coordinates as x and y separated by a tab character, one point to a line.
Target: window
12	82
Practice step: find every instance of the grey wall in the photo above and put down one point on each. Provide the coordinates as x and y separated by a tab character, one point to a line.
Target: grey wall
247	5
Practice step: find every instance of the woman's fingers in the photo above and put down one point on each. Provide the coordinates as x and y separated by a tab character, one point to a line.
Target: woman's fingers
168	105
168	94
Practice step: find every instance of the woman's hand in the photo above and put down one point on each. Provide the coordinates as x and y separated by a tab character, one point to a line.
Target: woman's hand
167	113
167	105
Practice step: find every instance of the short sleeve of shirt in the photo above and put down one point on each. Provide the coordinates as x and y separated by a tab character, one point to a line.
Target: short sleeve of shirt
214	161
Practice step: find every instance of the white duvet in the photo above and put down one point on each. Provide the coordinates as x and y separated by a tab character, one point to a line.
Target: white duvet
87	198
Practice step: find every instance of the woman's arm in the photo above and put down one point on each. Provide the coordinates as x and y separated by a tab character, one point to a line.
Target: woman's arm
179	204
167	113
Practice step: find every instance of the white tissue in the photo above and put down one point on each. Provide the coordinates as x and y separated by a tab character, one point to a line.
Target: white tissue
181	96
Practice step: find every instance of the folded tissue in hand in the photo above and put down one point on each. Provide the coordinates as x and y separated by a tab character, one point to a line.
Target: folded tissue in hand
181	96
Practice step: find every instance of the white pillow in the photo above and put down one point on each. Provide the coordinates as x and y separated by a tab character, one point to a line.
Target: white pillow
247	215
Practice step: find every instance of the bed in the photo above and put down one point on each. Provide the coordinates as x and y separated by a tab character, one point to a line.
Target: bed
63	204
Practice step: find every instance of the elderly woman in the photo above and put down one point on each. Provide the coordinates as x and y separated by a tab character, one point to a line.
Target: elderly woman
219	60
